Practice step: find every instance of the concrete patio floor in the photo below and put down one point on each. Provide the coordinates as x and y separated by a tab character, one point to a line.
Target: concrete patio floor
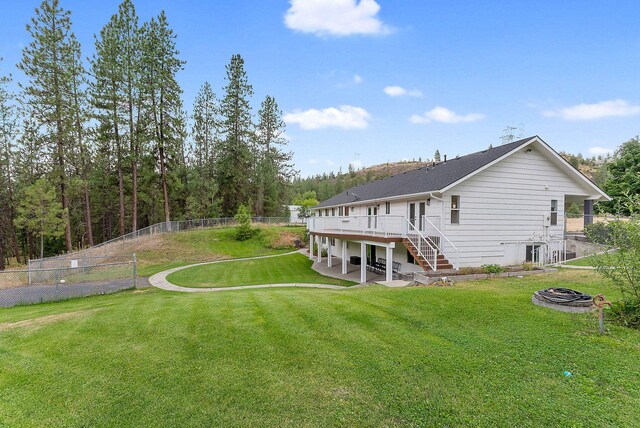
353	271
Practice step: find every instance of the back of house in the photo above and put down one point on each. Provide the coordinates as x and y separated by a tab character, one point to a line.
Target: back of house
504	205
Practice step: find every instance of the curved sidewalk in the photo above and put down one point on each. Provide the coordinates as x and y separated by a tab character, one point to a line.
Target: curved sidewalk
159	280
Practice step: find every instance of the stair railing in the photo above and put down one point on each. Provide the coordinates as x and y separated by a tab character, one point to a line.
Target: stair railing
426	250
443	244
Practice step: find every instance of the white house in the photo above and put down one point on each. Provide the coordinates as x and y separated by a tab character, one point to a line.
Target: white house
504	205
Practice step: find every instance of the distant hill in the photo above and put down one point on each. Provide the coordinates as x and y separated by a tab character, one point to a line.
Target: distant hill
330	184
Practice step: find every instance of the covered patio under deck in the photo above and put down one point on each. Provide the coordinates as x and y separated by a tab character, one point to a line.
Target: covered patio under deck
342	260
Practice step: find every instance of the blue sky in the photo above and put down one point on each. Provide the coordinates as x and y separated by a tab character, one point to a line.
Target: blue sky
367	81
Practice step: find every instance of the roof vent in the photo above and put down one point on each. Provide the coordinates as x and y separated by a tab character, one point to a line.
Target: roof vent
445	158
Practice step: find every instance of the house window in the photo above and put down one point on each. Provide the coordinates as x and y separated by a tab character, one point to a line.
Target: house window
319	213
387	207
455	209
326	212
332	241
324	240
532	254
340	211
346	211
333	212
554	212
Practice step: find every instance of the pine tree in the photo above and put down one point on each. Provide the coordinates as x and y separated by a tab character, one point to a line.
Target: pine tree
234	158
39	212
160	64
202	201
46	96
107	97
130	53
80	111
274	170
8	133
436	156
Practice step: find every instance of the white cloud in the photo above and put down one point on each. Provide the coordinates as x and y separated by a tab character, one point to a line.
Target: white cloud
345	117
357	79
600	151
441	114
335	17
312	161
399	91
595	111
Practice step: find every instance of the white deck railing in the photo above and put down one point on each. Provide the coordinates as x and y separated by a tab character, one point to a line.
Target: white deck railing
381	225
444	245
425	247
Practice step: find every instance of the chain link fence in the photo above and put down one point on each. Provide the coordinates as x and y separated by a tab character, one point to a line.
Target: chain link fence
101	250
67	277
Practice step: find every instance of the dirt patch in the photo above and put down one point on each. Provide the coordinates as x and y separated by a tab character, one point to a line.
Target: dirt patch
48	319
285	240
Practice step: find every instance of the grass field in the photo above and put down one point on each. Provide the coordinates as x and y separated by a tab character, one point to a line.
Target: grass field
199	245
277	270
476	354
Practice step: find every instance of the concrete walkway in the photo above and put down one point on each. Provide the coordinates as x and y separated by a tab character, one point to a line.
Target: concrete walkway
159	280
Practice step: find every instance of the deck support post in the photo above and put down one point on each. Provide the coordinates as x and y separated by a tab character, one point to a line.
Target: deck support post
389	264
319	242
329	254
311	247
363	262
344	257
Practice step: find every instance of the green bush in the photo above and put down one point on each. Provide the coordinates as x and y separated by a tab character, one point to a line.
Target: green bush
626	313
574	211
243	230
492	268
599	233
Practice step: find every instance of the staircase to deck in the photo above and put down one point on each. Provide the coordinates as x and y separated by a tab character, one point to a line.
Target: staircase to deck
441	261
430	248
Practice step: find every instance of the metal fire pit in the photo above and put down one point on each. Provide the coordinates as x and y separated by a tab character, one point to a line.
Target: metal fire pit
563	299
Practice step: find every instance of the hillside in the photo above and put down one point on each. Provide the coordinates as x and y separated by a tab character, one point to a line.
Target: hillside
330	184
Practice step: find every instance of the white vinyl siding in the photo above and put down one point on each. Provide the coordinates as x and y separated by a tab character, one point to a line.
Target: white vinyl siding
505	205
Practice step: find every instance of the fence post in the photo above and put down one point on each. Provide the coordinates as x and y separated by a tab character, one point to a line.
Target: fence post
135	271
57	279
29	269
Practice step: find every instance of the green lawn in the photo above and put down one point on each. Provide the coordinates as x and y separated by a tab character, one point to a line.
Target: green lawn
585	261
275	270
188	247
476	354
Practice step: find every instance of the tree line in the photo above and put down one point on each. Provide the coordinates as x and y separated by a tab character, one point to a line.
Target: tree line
93	148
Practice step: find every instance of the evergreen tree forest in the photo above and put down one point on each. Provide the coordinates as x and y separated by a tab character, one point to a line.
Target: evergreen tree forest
96	147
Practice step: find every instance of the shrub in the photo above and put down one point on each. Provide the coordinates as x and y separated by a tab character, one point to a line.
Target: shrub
626	313
622	266
243	230
574	211
528	266
598	232
492	268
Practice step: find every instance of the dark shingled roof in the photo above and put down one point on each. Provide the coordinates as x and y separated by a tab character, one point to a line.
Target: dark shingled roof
425	179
